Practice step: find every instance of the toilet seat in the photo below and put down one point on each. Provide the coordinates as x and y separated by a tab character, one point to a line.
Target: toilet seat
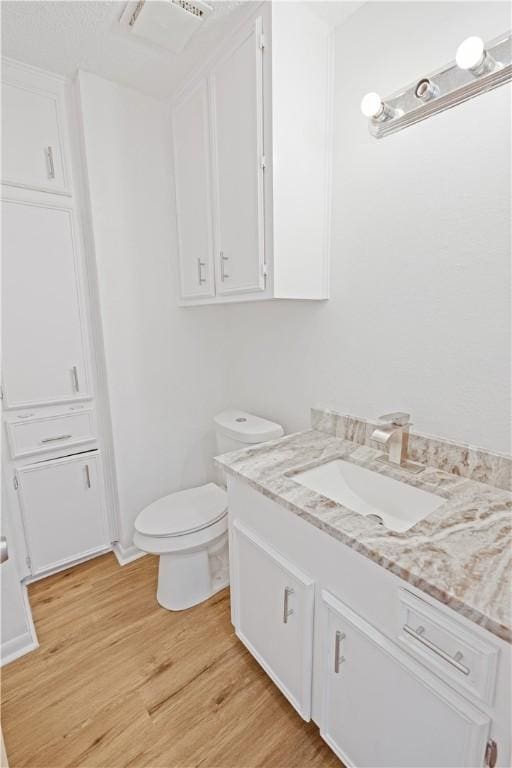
183	512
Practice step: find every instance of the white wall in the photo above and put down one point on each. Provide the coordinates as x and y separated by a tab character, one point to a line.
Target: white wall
165	365
419	316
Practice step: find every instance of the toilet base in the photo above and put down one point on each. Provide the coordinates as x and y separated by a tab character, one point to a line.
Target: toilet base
188	578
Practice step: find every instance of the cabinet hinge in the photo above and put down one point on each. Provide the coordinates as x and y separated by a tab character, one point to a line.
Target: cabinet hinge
262	42
15	482
491	754
263	162
264	270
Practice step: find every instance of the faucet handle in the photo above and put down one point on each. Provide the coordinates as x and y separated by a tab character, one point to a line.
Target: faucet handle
398	418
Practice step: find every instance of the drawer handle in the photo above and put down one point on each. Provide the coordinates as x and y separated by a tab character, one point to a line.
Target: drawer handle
59	437
338	658
287	611
87	476
418	634
51	166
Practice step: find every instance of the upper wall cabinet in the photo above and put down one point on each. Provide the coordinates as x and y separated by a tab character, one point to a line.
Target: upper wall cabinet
32	132
252	155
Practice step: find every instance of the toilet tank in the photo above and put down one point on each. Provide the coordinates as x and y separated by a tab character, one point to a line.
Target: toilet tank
237	429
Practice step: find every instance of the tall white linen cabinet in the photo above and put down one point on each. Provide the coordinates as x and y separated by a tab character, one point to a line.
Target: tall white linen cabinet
60	493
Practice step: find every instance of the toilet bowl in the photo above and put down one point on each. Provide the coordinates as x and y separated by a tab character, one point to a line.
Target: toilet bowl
188	529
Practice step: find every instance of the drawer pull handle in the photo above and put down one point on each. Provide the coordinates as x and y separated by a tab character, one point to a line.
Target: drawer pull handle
287	611
418	634
87	476
51	166
59	437
338	658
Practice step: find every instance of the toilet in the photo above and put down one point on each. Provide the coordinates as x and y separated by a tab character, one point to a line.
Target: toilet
189	529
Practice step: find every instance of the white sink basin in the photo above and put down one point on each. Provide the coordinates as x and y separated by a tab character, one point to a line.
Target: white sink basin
397	505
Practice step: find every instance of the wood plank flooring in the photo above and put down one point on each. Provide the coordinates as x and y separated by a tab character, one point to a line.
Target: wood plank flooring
119	681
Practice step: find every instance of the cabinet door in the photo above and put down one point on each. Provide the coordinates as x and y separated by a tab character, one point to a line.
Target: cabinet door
31	140
63	510
274	615
382	709
191	136
237	110
43	344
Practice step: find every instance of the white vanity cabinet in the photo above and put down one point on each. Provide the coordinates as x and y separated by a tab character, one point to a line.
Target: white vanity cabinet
379	696
32	133
273	615
63	510
252	162
382	709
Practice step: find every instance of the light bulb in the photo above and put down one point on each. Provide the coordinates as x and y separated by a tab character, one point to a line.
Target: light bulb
470	53
371	105
472	57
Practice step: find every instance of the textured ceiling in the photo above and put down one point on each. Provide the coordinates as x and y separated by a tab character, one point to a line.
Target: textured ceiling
63	35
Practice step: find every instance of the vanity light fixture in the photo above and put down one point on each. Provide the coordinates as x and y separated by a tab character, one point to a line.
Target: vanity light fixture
478	68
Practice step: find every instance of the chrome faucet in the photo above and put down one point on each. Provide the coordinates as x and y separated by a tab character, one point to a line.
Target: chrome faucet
394	433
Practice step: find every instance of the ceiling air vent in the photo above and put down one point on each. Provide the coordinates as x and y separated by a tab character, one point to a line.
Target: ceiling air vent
167	23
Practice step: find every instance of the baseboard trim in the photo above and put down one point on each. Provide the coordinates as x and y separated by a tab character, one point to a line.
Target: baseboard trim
126	555
19	646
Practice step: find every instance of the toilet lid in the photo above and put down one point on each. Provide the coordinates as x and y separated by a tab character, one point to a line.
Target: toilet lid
183	512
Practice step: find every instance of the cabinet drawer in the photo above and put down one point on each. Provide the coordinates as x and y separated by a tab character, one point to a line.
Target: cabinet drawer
446	647
48	433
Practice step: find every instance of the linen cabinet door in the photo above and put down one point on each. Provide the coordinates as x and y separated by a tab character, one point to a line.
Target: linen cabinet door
32	154
43	340
192	162
237	109
273	613
63	510
382	709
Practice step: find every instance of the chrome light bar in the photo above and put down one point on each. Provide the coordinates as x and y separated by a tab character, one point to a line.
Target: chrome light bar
477	69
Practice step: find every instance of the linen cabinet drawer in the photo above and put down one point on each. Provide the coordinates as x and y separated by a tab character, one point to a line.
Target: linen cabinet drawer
50	432
446	647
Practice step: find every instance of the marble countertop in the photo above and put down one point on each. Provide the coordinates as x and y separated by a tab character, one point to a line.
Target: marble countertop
460	554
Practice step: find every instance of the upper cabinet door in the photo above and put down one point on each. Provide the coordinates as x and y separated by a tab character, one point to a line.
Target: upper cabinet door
237	112
367	723
32	150
191	136
44	359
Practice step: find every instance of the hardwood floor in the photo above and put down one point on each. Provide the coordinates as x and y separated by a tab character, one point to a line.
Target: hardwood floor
119	681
